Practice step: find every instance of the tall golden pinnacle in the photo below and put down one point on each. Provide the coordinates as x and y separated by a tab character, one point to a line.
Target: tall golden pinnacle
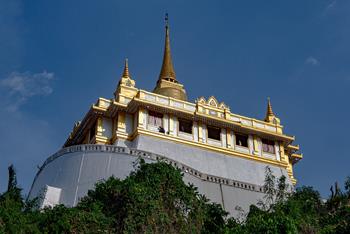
126	69
167	72
167	84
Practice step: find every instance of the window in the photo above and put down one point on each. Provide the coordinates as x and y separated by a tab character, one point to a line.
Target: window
268	146
185	126
214	133
242	140
155	119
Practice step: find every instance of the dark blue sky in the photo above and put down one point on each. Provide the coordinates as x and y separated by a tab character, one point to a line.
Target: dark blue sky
58	57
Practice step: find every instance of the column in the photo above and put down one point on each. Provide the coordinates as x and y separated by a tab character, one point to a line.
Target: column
256	145
141	118
166	123
195	131
171	125
200	132
250	144
229	139
277	150
223	137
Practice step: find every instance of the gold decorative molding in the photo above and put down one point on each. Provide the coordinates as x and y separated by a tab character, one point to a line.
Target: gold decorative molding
101	140
99	131
113	109
212	103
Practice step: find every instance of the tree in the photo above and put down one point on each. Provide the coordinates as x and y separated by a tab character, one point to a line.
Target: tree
282	189
13	215
269	188
154	199
214	219
13	191
347	186
61	219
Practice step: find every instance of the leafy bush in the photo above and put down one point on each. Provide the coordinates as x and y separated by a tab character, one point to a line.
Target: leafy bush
154	199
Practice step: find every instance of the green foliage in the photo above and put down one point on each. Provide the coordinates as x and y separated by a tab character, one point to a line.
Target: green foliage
301	211
215	219
13	191
61	219
347	186
276	190
14	217
260	221
154	199
282	189
269	187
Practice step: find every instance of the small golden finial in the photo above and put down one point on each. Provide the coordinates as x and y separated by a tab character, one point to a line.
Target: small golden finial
269	113
269	108
125	81
126	69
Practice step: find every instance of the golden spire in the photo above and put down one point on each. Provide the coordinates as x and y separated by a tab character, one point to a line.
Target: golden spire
167	72
269	107
269	113
167	84
126	69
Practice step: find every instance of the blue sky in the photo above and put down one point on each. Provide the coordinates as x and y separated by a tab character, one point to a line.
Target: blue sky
58	57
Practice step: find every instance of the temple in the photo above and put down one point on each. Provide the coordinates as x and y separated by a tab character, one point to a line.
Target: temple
222	153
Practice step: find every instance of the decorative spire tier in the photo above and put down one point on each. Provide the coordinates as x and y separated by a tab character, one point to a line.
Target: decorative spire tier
126	70
167	83
270	116
269	111
126	85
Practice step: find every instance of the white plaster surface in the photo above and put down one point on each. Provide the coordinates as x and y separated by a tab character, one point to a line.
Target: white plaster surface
208	161
186	136
75	172
51	196
214	142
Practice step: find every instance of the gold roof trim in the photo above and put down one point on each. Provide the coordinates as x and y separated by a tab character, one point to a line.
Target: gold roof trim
192	111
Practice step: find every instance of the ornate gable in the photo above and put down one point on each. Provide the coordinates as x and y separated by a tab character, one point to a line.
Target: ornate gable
212	102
